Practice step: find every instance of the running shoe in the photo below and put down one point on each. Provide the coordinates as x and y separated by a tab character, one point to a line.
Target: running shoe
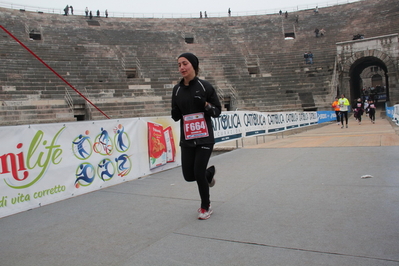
204	214
199	209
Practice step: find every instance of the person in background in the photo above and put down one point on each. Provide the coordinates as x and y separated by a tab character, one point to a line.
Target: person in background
310	57
343	109
194	102
306	56
358	110
335	106
371	111
316	32
66	10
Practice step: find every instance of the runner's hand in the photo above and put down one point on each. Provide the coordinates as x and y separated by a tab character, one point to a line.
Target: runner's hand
199	101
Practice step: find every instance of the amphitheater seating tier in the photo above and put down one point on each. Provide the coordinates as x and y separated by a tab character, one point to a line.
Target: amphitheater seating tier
246	58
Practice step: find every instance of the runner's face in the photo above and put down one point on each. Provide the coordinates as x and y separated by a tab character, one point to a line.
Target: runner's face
186	68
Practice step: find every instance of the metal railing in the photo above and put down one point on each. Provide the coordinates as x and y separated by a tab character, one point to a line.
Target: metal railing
334	80
68	99
81	12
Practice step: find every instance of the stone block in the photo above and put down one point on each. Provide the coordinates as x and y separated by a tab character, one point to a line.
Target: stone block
139	87
8	88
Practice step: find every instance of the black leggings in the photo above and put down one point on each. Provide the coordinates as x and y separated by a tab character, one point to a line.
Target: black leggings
358	116
337	114
372	115
194	162
344	114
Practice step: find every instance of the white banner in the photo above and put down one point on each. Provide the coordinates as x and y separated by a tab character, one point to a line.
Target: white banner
235	125
44	163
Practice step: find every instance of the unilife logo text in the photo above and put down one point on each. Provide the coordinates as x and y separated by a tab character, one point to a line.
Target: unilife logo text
41	154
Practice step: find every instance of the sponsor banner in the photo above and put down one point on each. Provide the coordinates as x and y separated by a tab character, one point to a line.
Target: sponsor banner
291	120
275	122
228	126
304	119
326	116
254	123
235	125
239	124
307	119
156	145
381	97
44	163
313	118
389	110
170	144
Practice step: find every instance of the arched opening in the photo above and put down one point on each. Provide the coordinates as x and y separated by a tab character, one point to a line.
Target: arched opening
376	80
369	80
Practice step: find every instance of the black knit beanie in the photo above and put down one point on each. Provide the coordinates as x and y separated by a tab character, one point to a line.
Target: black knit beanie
192	59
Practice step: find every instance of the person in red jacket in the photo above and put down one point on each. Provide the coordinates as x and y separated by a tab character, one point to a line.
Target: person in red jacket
335	106
194	102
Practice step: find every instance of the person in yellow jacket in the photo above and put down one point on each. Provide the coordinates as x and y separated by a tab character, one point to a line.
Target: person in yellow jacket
335	106
343	109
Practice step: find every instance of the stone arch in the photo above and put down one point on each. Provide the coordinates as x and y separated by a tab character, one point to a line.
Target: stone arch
353	66
385	58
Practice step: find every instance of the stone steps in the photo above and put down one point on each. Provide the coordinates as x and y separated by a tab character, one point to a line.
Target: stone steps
98	58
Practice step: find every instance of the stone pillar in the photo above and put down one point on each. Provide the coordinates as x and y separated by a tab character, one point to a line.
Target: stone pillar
393	88
344	85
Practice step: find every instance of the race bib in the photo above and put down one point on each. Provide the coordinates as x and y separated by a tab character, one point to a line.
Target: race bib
195	126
